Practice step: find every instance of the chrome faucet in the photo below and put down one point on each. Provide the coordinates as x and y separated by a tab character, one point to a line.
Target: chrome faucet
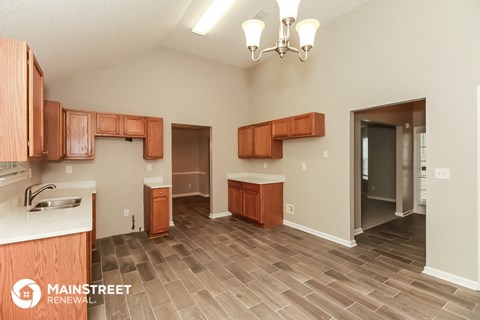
29	195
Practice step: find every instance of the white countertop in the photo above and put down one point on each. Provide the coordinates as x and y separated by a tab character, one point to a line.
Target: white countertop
257	178
18	224
155	183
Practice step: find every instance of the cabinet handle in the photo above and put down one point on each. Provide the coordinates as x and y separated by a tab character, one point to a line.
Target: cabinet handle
45	152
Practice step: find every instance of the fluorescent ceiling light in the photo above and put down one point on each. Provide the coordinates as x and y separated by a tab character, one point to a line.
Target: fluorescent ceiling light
215	12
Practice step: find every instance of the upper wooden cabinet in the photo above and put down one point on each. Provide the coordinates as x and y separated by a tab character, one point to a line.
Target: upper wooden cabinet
153	143
107	124
119	125
134	126
21	98
245	142
300	126
54	130
256	141
79	136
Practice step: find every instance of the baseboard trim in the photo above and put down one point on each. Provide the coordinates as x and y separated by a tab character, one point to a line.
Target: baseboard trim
219	215
467	283
381	199
404	214
320	234
357	231
172	224
180	195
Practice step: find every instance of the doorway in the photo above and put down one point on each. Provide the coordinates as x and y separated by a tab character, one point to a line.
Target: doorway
191	169
378	174
385	198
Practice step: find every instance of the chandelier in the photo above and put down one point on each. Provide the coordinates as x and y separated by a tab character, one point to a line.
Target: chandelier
288	14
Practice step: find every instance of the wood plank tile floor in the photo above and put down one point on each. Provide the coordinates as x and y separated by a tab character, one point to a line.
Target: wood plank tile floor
229	268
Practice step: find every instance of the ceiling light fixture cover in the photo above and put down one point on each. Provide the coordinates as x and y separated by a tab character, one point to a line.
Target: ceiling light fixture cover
288	15
214	13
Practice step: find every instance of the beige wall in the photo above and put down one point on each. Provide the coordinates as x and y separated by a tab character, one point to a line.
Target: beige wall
190	161
386	51
179	87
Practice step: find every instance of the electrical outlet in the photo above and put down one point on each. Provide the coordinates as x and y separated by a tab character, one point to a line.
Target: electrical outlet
289	208
149	167
126	212
304	166
68	169
265	165
325	154
442	173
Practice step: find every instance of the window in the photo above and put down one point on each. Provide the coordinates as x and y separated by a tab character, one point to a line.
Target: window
11	172
365	158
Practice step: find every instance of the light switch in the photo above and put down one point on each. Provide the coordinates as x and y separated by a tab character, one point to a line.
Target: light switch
265	165
304	166
325	154
149	167
442	173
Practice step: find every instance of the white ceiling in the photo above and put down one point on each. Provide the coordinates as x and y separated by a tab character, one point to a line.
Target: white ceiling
71	37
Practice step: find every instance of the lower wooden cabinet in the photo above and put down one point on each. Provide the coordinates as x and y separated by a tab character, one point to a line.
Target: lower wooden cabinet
156	206
62	260
262	203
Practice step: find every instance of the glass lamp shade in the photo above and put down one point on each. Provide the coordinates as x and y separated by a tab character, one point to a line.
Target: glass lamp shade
253	31
306	31
288	8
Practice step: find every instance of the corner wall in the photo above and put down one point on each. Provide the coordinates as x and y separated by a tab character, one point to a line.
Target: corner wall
384	52
179	87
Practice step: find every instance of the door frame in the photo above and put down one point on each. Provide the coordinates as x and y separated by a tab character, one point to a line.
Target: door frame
416	160
478	187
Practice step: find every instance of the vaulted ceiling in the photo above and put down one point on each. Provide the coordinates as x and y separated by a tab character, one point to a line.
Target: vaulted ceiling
71	37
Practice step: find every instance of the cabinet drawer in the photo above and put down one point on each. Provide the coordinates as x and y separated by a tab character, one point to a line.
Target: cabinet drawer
251	187
234	184
161	192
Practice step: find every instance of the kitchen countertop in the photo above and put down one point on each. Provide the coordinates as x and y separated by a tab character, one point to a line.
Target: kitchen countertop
256	178
18	224
155	183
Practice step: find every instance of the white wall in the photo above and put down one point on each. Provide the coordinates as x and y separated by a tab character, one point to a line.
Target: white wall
384	52
179	87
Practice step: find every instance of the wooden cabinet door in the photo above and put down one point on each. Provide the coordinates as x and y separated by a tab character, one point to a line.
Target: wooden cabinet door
281	128
160	214
107	124
245	142
35	108
235	200
302	125
54	130
134	126
262	140
153	143
251	204
79	135
94	220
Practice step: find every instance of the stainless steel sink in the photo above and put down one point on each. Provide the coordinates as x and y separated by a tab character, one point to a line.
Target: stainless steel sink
54	204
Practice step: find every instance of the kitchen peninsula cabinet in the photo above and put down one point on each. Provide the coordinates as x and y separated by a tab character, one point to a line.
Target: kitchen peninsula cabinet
156	204
62	260
153	143
80	143
262	203
256	141
21	97
54	130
